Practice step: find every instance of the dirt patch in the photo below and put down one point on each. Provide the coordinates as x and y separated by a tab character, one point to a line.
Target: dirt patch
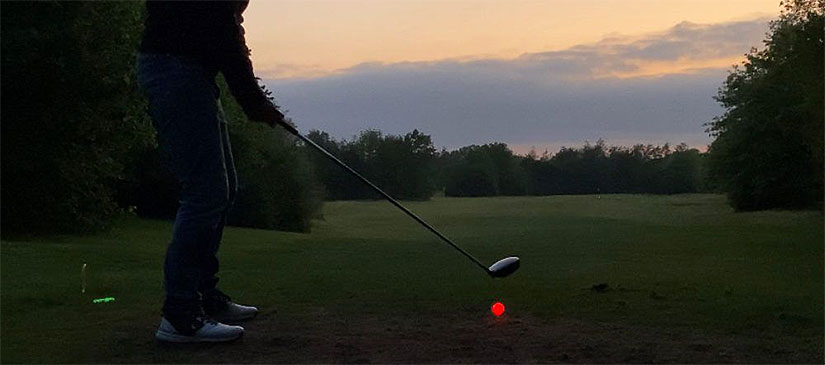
318	336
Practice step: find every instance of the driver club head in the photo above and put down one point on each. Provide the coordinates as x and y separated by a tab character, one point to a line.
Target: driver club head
504	267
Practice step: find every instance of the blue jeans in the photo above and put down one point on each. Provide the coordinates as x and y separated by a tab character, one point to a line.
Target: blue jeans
185	109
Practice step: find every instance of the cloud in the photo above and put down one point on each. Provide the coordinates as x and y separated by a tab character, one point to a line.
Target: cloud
291	70
686	43
693	41
651	87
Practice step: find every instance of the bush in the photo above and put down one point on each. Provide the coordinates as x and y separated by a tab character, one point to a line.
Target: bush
277	188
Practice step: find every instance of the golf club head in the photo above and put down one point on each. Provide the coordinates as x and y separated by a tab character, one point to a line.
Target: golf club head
504	267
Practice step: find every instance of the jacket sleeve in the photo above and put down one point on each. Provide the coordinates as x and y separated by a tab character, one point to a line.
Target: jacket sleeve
235	64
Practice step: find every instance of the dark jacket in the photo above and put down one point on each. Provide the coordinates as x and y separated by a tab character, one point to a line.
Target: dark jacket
208	32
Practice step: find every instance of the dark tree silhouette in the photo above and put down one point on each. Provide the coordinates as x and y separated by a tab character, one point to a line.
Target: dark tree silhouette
768	151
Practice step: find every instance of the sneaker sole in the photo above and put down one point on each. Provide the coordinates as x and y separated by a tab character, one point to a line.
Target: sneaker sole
176	338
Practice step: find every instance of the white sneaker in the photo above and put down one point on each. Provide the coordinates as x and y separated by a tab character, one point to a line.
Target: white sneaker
220	306
234	312
205	330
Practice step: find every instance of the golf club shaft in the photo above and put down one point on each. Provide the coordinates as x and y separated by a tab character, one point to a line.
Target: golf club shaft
308	141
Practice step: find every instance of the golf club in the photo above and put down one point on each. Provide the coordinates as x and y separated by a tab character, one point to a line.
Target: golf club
499	269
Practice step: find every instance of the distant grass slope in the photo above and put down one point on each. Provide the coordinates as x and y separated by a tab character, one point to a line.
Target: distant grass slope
681	261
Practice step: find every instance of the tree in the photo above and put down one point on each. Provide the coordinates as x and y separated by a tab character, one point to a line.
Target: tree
768	147
539	173
486	170
415	165
334	180
72	118
681	171
403	166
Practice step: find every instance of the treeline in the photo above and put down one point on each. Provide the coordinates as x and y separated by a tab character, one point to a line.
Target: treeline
493	169
409	167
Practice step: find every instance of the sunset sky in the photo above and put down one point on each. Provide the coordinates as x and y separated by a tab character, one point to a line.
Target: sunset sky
528	73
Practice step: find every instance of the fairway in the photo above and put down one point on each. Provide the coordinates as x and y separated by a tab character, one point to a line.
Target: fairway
686	280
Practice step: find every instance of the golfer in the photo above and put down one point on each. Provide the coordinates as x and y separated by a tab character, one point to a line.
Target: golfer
185	44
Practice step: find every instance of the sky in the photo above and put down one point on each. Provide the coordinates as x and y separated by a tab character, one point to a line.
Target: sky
532	74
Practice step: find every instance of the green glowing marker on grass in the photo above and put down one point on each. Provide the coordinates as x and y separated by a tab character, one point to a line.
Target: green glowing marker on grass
103	300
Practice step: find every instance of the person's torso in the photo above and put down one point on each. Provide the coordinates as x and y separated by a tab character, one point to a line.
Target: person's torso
196	29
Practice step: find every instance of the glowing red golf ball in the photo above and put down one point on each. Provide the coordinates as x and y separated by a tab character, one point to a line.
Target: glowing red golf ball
497	309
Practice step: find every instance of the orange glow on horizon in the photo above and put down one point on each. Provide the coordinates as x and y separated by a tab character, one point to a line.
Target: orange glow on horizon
682	66
311	38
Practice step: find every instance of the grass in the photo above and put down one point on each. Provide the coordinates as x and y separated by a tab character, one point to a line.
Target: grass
672	262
